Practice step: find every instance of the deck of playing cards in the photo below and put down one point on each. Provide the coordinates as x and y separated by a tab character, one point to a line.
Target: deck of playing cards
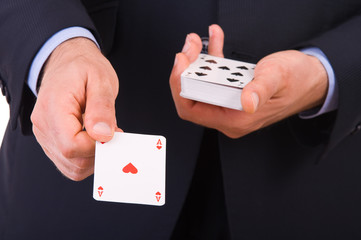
216	81
130	169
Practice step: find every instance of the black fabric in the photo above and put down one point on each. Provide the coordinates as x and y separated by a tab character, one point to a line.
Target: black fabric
348	70
204	214
25	27
272	187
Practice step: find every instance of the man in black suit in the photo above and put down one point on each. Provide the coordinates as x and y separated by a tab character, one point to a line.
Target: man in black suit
267	173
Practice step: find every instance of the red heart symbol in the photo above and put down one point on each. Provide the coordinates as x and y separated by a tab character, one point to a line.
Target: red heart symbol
159	147
158	195
129	168
100	191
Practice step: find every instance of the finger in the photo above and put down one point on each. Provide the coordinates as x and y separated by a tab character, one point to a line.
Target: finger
197	112
77	169
216	40
70	139
266	83
68	169
99	117
61	126
71	172
181	62
79	155
191	49
192	46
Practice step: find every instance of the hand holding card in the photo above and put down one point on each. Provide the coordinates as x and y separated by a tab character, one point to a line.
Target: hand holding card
285	83
131	169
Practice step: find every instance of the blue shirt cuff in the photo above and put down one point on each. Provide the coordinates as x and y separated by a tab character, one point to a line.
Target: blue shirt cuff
331	101
48	48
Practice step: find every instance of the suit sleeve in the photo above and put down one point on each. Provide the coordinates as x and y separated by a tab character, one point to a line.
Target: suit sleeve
341	45
24	27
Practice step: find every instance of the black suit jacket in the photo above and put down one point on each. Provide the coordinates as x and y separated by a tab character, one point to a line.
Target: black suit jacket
297	179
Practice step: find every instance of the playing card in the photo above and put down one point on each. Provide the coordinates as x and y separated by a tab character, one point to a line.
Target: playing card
131	169
216	81
222	71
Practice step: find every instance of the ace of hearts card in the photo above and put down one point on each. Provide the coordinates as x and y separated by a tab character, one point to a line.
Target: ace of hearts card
131	168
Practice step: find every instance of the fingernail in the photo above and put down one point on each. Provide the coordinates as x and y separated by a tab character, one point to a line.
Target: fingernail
255	100
102	128
187	44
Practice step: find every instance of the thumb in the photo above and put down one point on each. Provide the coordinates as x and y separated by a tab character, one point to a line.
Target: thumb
216	40
265	85
99	117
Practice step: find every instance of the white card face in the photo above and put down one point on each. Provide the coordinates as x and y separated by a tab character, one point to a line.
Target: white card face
222	71
131	169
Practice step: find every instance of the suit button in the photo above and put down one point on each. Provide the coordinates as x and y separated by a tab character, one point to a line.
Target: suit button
357	129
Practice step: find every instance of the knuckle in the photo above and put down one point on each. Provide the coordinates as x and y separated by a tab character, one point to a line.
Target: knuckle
264	88
41	109
76	176
72	173
235	131
35	117
232	135
232	132
256	127
67	151
108	105
182	113
82	163
36	134
251	125
273	65
104	104
172	79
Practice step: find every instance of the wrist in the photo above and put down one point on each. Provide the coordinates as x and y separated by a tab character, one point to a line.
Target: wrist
319	80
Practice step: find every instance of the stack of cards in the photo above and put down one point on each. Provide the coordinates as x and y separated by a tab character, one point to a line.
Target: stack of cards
131	169
216	81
